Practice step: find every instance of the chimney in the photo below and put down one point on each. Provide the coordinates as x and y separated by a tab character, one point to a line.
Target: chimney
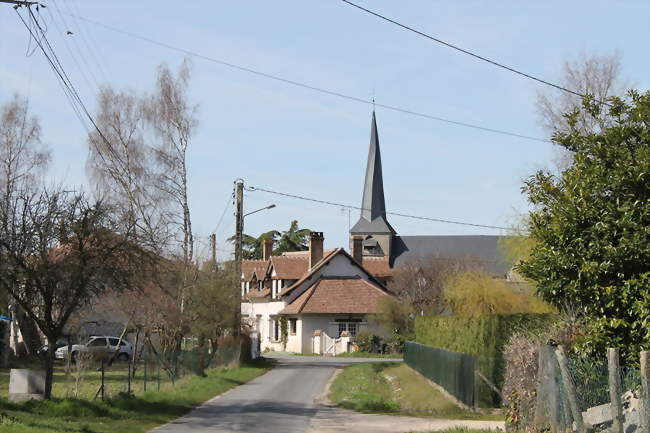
357	249
267	249
315	248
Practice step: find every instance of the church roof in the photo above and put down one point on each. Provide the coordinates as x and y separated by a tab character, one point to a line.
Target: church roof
483	250
373	213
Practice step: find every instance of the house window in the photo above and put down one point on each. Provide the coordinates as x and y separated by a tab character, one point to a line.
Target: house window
351	327
293	324
275	335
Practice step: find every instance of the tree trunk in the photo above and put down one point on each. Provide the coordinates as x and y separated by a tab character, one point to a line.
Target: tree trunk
48	364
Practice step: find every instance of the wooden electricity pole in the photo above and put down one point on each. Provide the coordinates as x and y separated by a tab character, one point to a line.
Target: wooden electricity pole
213	250
239	233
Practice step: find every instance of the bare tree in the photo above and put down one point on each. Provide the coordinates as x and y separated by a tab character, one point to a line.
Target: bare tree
62	251
22	155
173	119
121	164
596	75
421	281
23	159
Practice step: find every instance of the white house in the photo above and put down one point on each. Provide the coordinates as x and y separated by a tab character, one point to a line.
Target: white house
321	297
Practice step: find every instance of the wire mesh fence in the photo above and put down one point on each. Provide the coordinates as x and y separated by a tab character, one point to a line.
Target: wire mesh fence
591	392
91	378
472	380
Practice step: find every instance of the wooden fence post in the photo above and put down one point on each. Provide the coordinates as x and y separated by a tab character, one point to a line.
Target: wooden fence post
615	389
570	389
645	384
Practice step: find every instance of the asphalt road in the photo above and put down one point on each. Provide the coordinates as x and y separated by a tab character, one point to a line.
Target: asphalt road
288	399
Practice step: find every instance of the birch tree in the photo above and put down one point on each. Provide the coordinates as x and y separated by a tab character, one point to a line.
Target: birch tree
23	159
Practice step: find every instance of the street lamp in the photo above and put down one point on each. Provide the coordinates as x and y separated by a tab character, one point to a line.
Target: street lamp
271	206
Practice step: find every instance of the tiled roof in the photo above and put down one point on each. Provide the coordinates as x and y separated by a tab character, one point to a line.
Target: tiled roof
290	267
338	295
377	266
301	253
248	267
254	293
318	265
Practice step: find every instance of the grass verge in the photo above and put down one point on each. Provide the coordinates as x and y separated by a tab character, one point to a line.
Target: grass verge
124	413
460	430
393	388
369	355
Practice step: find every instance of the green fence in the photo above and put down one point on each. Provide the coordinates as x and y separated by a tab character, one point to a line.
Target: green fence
451	370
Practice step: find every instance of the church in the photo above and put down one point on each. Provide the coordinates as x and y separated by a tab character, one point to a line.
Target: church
381	242
316	301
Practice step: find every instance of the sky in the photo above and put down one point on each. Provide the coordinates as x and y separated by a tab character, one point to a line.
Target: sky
290	139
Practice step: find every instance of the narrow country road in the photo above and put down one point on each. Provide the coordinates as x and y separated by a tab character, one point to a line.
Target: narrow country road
290	399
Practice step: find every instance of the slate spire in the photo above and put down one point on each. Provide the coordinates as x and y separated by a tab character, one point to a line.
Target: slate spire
373	215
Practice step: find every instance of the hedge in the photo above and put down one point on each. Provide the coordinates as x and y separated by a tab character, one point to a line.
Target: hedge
484	337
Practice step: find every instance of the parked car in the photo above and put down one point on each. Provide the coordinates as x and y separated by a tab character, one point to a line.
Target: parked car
99	347
43	349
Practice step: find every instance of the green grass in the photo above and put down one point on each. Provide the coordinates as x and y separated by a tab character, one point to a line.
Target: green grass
363	388
393	388
461	430
123	413
369	355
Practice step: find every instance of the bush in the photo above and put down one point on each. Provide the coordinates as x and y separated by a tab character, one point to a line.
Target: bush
484	337
521	367
367	341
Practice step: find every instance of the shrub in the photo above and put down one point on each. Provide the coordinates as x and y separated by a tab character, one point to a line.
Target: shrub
367	341
484	337
520	355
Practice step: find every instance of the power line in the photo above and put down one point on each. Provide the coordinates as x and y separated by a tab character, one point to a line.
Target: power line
63	79
308	86
477	56
439	220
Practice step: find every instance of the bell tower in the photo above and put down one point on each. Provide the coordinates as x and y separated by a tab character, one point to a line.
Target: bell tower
373	226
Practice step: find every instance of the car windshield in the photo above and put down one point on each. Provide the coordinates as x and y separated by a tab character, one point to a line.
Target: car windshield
97	342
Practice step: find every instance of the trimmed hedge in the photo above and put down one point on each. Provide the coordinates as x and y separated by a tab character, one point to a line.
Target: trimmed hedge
484	337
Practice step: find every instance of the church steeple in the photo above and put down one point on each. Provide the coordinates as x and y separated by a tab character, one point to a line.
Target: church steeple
373	216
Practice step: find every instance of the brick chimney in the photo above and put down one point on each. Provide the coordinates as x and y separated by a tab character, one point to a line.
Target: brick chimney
315	248
357	248
267	249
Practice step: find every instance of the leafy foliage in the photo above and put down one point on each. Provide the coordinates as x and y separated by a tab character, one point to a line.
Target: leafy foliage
591	225
483	336
476	294
292	239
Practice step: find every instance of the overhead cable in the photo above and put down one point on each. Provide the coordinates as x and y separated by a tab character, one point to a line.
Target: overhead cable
340	205
308	86
457	48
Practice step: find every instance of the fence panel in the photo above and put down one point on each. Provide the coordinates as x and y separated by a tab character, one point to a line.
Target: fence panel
452	371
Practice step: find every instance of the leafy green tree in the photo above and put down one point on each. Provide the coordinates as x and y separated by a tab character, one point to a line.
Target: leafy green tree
591	225
252	247
293	239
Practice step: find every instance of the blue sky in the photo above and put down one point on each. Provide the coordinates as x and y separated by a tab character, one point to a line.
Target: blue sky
289	139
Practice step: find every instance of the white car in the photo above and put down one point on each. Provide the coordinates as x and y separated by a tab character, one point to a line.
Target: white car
100	347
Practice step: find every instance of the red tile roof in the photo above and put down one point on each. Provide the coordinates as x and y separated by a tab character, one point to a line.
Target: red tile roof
290	267
250	267
338	295
254	293
377	266
318	265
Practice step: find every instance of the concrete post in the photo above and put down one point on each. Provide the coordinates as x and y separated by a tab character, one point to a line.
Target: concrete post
615	390
570	389
645	384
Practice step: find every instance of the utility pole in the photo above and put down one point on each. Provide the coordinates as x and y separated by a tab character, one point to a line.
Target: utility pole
239	233
213	249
